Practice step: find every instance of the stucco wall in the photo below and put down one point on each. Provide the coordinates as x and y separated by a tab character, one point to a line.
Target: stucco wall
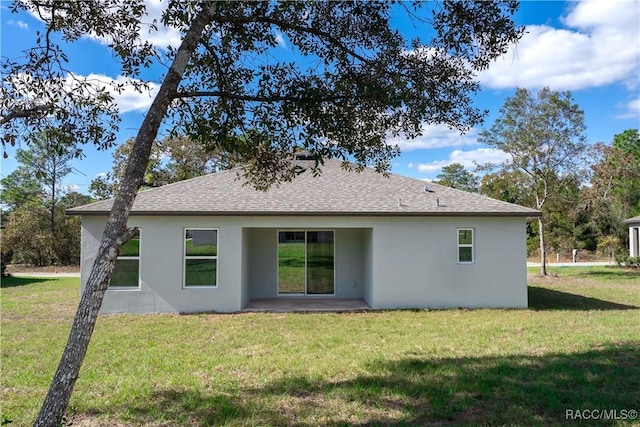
416	264
263	262
367	245
394	263
350	262
245	267
161	258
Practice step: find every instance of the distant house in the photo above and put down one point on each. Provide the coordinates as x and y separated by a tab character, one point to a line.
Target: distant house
634	235
214	244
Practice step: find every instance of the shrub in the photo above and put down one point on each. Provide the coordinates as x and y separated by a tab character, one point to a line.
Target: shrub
627	261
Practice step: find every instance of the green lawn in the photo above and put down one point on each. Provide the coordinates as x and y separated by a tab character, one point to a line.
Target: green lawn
577	347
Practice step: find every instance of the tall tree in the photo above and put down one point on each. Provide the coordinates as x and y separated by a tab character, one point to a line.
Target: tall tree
106	187
456	176
34	192
564	223
544	134
629	143
362	83
614	191
18	188
48	160
188	158
507	185
172	159
40	247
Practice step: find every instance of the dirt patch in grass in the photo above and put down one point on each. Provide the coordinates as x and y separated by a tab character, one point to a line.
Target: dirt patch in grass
86	420
26	268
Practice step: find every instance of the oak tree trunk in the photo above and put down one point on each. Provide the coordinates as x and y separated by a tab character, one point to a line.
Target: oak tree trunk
116	232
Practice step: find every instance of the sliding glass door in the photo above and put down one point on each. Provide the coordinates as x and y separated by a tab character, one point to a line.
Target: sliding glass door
291	262
306	263
320	262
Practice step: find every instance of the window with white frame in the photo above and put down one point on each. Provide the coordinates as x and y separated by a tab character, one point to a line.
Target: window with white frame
200	258
126	273
465	246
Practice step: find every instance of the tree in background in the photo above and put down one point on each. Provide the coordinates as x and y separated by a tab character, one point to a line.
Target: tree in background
106	187
187	158
456	176
37	230
614	191
172	159
506	185
358	82
564	220
544	136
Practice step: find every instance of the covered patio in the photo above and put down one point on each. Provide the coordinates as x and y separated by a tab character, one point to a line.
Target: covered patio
313	266
290	305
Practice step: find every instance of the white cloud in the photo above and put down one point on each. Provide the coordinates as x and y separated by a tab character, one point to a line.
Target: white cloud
599	47
20	24
435	136
152	30
160	36
163	36
129	99
280	39
70	188
433	166
468	159
632	110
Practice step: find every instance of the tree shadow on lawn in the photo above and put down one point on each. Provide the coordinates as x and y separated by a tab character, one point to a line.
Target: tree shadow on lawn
611	273
12	282
548	299
416	390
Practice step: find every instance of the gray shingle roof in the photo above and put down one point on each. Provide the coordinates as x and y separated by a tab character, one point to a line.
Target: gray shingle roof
334	192
634	220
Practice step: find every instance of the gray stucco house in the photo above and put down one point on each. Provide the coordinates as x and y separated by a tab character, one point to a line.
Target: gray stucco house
214	244
634	235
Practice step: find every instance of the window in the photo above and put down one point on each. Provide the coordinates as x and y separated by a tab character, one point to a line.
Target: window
465	245
200	258
126	273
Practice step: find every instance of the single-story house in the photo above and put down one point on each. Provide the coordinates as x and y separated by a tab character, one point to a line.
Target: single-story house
634	235
213	243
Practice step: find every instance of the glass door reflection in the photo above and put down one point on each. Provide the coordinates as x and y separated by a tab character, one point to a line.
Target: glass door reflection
320	262
291	262
306	262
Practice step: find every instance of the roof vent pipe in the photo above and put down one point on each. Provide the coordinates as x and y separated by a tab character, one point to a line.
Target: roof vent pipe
399	202
438	202
304	155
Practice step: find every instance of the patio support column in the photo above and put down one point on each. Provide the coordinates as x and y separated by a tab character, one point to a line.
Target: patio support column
634	241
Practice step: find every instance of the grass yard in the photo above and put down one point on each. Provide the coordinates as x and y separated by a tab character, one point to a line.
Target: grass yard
576	348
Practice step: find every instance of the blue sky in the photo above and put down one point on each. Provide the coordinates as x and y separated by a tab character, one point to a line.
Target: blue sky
589	47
